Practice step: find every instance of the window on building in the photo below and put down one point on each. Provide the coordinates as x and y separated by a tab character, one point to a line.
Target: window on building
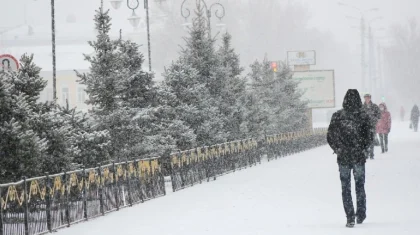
65	96
81	95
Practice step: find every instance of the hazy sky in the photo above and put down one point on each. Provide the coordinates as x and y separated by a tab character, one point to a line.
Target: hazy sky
326	14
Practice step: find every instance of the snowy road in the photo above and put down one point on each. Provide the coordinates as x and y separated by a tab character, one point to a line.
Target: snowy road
299	194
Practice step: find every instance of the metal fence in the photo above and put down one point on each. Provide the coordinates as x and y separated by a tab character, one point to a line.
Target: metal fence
291	143
202	164
45	204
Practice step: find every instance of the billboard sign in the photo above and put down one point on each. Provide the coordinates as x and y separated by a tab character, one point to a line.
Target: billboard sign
301	58
317	87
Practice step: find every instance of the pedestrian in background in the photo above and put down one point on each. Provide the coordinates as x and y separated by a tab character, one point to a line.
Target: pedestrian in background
374	114
383	128
415	117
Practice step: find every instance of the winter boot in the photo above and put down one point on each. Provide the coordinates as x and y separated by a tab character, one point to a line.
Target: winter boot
360	219
350	223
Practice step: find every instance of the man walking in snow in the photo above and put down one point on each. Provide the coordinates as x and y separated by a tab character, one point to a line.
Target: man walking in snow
374	115
349	135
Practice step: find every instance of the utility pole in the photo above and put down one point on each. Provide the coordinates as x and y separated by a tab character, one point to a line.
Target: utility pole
363	48
149	49
381	79
372	63
53	51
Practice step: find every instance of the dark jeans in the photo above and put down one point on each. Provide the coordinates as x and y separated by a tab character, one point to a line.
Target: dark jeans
370	152
384	146
359	178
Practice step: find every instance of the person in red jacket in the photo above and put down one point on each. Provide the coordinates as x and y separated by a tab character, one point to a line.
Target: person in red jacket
383	127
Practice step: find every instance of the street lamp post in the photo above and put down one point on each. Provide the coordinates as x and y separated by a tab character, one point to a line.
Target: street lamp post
185	12
54	62
135	20
53	51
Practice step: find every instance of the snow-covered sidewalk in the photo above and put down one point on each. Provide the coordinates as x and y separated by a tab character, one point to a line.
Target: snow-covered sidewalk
299	194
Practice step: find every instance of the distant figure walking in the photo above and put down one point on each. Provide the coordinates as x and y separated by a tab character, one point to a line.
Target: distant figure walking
374	115
383	128
402	113
415	117
349	135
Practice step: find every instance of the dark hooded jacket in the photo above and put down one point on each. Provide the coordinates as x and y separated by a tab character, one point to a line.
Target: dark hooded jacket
373	112
349	149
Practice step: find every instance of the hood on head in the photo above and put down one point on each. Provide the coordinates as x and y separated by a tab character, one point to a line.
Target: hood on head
352	100
383	105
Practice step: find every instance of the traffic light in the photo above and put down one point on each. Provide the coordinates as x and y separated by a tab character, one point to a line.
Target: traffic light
274	66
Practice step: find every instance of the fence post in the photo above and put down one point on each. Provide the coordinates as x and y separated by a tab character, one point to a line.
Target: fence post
48	202
128	174
1	214
163	182
66	203
100	189
25	207
173	177
116	186
152	181
233	156
84	193
139	181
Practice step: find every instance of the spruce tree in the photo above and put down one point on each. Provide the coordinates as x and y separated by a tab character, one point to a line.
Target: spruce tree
193	103
123	97
21	150
228	57
102	83
293	109
59	134
137	85
46	120
39	137
232	93
258	111
193	79
199	50
279	106
29	80
92	145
